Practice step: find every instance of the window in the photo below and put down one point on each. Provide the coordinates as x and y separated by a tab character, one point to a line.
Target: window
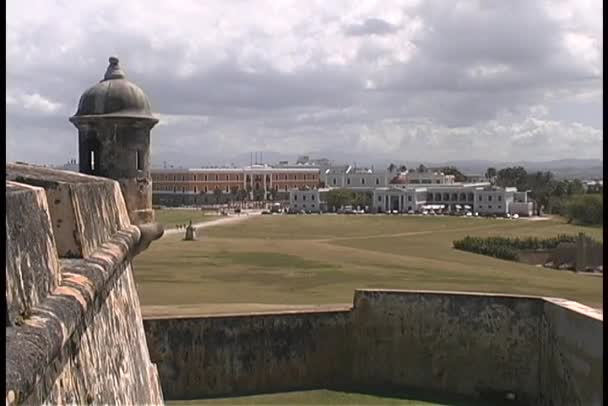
217	177
195	178
334	181
205	178
304	197
139	160
174	189
499	199
206	190
489	207
174	178
295	197
409	198
195	190
363	181
227	189
92	161
500	207
379	198
304	206
480	198
480	206
437	181
348	181
312	197
490	198
377	181
313	206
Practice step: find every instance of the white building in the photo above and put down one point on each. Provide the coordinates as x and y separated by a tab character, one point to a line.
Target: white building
475	197
310	200
427	178
356	179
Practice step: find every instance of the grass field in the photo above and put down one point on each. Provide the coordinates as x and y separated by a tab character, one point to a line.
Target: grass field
171	217
326	397
321	259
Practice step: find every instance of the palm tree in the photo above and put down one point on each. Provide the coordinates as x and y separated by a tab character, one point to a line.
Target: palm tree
391	167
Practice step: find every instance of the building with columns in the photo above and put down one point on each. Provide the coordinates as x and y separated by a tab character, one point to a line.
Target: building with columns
208	185
476	197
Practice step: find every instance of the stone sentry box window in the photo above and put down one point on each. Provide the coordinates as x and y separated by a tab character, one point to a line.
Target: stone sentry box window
139	159
92	148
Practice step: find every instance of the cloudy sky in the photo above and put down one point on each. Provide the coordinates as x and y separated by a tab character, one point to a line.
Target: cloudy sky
400	80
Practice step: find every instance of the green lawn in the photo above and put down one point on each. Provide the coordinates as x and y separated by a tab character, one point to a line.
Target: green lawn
326	397
171	217
316	259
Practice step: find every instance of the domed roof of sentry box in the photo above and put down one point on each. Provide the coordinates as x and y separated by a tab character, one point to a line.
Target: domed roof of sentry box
114	97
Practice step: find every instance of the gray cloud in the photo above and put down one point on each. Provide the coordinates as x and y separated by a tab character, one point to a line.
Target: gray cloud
441	80
370	26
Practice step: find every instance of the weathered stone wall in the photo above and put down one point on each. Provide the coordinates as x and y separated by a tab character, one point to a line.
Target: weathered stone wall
474	345
74	331
571	354
468	344
228	355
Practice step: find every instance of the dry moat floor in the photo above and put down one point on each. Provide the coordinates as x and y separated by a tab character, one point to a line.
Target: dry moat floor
331	397
271	261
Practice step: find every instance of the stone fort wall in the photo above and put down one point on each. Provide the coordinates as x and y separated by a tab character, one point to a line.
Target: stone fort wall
75	333
545	351
74	328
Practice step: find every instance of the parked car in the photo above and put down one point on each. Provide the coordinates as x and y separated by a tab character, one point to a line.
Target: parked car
410	212
265	212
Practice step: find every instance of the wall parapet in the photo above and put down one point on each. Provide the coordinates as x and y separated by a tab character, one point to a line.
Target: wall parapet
74	330
479	345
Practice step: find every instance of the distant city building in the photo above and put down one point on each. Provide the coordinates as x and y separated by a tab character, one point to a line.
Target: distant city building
309	200
71	165
593	186
428	177
351	177
208	185
474	197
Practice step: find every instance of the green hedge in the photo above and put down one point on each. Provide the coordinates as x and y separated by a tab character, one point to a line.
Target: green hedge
506	248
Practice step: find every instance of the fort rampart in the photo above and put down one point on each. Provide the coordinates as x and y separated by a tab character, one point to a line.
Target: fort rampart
544	351
74	328
75	332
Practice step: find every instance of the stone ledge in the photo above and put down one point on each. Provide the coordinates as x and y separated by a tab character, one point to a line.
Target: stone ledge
85	210
32	267
32	347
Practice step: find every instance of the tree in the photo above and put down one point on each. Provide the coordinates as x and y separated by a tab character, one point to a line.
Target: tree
458	176
575	187
218	195
391	167
402	168
491	173
340	197
234	190
362	199
512	177
421	168
586	209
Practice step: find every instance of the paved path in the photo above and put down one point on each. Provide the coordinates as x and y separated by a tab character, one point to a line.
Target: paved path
224	220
